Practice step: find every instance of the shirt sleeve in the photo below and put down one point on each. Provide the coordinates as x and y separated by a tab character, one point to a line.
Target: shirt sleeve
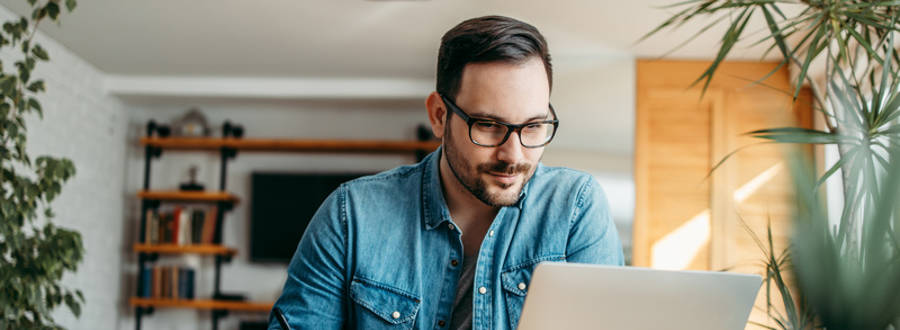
313	294
593	237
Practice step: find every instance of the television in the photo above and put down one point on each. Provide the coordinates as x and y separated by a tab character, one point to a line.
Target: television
281	206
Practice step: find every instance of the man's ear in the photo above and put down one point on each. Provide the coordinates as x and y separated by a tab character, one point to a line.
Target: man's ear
437	114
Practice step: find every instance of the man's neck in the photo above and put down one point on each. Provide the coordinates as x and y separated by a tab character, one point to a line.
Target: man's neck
463	205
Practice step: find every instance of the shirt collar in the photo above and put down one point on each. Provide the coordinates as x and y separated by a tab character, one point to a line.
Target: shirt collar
433	202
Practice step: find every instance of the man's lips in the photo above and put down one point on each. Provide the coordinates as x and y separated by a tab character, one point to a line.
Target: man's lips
504	178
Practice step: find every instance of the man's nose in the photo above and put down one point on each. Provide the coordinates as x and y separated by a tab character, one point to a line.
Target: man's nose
510	151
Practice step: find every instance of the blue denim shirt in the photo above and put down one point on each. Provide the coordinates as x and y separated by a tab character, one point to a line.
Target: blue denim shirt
383	253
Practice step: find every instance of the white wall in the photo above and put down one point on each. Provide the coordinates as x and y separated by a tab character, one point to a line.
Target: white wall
81	122
595	99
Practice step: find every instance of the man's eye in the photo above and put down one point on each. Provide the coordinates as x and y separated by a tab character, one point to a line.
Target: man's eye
487	125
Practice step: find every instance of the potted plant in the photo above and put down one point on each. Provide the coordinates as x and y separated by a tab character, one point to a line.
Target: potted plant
848	273
34	253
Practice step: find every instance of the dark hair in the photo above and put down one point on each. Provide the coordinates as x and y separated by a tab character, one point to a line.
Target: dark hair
487	39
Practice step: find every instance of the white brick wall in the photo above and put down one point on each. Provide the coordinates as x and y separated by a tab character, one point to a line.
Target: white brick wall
87	126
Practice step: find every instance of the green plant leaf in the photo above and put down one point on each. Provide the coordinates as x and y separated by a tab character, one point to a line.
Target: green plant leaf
864	43
40	53
53	10
34	104
36	86
800	135
837	166
731	37
812	51
727	156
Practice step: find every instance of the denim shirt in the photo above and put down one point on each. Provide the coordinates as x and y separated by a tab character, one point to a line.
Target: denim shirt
383	253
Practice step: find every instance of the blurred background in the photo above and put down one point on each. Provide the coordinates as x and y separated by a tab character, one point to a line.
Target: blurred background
360	70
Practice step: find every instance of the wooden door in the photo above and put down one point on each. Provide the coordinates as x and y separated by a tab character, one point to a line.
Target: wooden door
687	217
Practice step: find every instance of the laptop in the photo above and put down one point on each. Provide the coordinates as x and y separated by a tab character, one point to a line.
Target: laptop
579	296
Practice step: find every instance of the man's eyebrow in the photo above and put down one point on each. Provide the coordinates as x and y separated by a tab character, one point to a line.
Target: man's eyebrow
496	118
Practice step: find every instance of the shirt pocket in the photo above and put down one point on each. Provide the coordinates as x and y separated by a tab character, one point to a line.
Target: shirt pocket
380	306
515	287
515	282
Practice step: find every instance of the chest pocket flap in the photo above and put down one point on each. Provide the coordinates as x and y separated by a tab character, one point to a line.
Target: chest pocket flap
516	281
392	305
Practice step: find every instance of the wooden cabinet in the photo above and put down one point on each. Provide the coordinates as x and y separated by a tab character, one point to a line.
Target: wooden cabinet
685	218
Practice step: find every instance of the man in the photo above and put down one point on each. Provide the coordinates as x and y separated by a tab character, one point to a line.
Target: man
451	242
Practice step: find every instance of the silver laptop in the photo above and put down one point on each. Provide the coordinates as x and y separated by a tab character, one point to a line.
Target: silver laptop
578	296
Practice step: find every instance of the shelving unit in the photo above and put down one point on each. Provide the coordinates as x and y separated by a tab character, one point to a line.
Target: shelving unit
202	304
188	196
227	148
212	249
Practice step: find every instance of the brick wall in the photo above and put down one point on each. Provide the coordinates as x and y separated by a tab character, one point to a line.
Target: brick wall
81	122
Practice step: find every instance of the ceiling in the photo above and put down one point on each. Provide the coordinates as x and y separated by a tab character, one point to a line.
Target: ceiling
341	38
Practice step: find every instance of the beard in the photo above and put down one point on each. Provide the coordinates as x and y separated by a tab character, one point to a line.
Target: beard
470	176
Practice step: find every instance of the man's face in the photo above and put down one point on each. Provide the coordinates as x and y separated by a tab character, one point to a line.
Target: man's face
505	92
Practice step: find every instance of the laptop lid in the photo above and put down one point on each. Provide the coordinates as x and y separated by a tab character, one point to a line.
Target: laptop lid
579	296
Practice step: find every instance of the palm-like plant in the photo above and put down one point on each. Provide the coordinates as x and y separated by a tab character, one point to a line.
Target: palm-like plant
849	273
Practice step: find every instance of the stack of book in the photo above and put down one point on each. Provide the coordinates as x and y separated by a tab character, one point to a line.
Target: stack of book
168	282
181	225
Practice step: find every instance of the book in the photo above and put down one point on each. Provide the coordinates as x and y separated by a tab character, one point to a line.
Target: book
176	223
147	226
197	219
157	282
209	226
146	284
190	283
184	229
153	223
165	225
184	283
164	279
175	282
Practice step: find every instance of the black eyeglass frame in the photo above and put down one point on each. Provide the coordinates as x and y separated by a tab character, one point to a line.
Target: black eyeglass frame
509	127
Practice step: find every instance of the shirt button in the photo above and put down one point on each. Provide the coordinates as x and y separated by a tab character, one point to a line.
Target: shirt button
441	323
521	286
454	262
395	315
482	290
450	226
491	233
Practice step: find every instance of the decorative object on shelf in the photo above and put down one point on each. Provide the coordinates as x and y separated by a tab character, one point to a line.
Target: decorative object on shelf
192	185
35	252
192	124
161	130
232	130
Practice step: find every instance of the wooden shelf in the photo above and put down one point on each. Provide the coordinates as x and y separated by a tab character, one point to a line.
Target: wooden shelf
190	196
249	306
185	249
292	145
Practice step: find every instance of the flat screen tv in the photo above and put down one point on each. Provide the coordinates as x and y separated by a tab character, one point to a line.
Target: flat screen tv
281	206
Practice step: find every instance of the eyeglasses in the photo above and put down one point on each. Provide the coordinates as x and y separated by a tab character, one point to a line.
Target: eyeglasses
492	133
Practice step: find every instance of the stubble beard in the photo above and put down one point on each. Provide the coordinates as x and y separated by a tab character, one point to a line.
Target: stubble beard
473	182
